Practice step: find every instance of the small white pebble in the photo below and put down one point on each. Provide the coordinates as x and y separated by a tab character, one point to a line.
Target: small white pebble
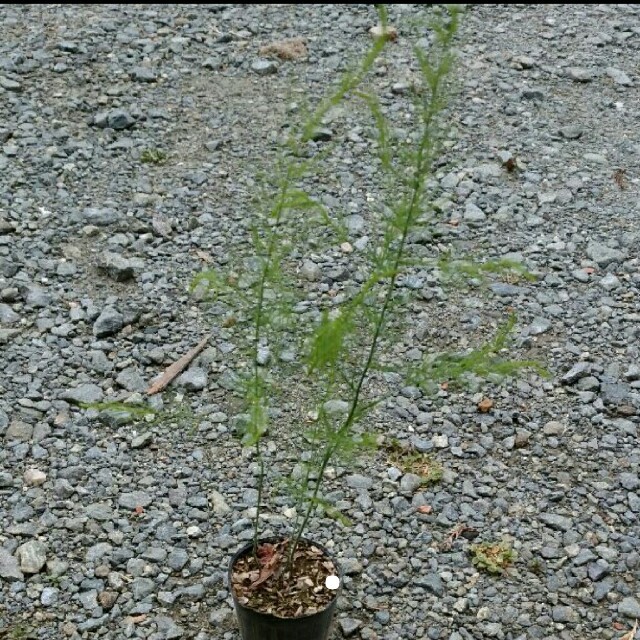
34	477
346	247
194	532
441	442
332	582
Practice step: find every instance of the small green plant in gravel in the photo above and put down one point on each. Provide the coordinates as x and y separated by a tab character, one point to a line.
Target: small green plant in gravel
412	461
349	343
493	557
153	156
18	632
535	566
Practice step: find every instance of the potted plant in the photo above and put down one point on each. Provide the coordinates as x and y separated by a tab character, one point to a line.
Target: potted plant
285	588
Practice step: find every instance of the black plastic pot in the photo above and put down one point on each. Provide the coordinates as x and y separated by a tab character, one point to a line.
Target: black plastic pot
255	625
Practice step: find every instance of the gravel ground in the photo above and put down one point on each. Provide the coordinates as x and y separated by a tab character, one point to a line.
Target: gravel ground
116	525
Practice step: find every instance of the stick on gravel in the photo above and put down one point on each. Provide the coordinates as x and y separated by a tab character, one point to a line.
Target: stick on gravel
176	368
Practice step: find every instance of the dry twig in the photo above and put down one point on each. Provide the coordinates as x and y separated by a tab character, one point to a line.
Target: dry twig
455	533
176	368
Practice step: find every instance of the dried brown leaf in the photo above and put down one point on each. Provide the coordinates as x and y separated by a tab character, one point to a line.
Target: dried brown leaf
270	557
135	619
293	49
620	178
203	255
510	164
304	581
266	551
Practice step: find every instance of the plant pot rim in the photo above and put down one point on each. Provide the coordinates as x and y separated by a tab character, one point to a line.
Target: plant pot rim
245	548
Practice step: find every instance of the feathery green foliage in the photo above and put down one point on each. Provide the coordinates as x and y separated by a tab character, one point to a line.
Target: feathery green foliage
349	340
136	410
456	270
482	362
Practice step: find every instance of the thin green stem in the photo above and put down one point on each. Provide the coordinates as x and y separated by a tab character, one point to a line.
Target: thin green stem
257	334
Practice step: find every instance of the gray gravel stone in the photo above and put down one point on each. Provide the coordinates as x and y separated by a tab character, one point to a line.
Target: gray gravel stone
578	371
579	74
85	394
8	315
357	481
143	74
571	132
410	483
89	599
18	430
630	481
142	440
562	613
117	266
117	119
433	583
558	522
98	551
538	326
506	290
310	271
264	67
629	607
194	379
101	216
109	322
9	567
473	213
142	587
603	255
10	85
177	558
218	503
609	282
349	626
32	556
632	373
619	77
598	570
99	511
351	566
134	499
131	380
168	628
50	596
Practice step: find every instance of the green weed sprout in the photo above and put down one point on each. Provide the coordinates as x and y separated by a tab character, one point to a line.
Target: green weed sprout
494	557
